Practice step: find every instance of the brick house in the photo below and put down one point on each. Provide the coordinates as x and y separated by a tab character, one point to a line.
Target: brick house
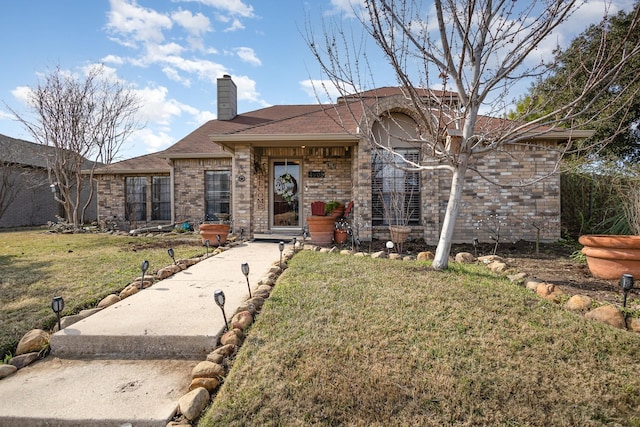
234	168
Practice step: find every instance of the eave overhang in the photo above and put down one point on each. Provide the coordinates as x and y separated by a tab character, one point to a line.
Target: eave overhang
228	142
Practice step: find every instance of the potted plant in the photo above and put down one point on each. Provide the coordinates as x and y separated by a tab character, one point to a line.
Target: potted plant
334	209
321	224
341	230
609	256
215	229
397	211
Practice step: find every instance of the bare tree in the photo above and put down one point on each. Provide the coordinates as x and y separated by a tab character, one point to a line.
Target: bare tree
473	52
84	119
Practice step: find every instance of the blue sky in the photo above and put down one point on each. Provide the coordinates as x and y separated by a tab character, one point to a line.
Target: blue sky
172	51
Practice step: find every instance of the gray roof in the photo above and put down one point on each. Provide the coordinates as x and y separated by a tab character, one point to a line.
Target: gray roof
19	151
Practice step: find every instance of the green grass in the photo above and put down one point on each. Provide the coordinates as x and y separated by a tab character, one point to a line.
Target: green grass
355	341
82	268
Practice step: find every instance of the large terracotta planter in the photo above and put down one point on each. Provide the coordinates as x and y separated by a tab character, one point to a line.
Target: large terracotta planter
211	231
321	229
611	256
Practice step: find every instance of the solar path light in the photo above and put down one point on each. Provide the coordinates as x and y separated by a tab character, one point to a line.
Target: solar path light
281	247
57	305
389	246
218	239
245	271
172	255
207	243
219	297
144	267
626	283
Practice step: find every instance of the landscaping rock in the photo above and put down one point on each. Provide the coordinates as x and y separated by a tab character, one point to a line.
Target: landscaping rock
346	252
24	359
209	383
226	350
360	254
497	267
215	358
633	324
517	278
207	369
579	303
109	300
395	256
89	312
193	403
248	306
6	370
532	284
488	259
465	258
67	321
129	290
379	254
545	289
425	256
262	291
233	337
257	302
242	320
163	273
33	341
608	314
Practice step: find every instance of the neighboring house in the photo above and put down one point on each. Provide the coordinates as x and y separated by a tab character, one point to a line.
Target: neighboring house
239	166
26	197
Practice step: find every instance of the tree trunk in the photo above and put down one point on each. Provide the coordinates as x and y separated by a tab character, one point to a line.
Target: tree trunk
441	259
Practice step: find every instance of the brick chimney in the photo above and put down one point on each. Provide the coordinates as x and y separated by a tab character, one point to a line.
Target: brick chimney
227	98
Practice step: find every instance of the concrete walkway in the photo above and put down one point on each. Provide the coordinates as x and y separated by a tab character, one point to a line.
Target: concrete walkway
131	362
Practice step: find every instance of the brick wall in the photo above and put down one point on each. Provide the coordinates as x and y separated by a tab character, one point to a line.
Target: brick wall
189	186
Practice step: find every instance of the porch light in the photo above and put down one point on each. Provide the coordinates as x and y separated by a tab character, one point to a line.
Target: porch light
389	246
144	267
207	243
281	247
172	255
626	283
218	295
57	305
245	270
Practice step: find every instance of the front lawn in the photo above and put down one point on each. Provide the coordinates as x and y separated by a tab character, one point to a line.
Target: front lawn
356	341
82	268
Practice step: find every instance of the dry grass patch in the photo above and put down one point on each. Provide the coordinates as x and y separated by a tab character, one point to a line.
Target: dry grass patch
355	341
82	268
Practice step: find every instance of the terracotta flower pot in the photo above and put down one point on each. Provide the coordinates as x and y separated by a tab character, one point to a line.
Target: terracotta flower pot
321	229
340	236
211	231
611	256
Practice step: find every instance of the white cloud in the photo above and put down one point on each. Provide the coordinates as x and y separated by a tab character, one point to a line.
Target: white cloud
127	19
347	7
248	55
323	91
196	25
22	94
233	7
113	59
235	26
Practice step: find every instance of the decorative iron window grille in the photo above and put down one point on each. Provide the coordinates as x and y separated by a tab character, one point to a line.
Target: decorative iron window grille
136	198
160	198
217	189
395	192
